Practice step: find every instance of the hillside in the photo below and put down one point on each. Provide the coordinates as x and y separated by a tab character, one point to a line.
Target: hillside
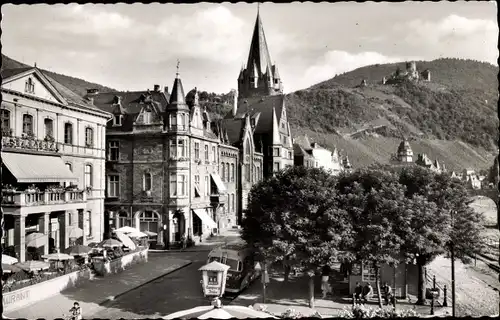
453	118
76	85
458	105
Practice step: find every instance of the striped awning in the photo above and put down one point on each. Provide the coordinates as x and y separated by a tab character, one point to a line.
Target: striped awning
205	218
218	182
30	168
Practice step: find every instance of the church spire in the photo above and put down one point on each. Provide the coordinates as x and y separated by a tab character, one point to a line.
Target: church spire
259	53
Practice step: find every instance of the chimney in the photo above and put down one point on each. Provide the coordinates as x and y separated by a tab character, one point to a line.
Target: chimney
90	94
235	103
156	88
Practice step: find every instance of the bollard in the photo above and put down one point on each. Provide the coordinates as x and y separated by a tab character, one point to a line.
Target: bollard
445	302
434	282
432	304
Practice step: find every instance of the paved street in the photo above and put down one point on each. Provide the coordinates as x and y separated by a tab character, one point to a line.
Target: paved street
174	292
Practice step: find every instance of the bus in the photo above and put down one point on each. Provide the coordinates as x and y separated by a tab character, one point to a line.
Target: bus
240	259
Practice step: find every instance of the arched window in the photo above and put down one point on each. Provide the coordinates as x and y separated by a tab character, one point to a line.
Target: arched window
247	147
88	176
146	118
68	133
69	166
148	181
228	172
27	124
89	137
232	172
223	173
29	86
5	121
148	221
233	203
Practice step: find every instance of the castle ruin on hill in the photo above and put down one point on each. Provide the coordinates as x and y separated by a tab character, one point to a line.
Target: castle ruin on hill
410	74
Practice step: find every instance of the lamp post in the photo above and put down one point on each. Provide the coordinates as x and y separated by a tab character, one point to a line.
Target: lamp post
264	278
452	256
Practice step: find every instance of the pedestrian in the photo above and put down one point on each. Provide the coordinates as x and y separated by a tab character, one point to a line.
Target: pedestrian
367	292
325	285
76	311
357	292
387	291
183	242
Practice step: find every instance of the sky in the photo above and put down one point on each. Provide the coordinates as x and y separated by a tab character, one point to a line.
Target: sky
133	47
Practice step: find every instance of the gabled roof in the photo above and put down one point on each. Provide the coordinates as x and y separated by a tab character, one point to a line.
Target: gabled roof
130	104
264	106
234	129
61	92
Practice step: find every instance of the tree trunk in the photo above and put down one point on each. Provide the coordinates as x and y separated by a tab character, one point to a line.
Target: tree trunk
379	291
311	291
421	283
287	268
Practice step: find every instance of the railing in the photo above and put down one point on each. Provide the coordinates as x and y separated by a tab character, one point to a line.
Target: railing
29	143
30	198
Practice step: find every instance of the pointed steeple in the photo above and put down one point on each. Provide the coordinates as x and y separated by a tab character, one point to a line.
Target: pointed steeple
177	97
259	52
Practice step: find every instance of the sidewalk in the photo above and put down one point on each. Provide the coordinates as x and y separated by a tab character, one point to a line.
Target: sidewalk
281	296
92	295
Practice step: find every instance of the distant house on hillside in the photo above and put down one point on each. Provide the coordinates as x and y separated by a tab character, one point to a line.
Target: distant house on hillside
313	155
405	156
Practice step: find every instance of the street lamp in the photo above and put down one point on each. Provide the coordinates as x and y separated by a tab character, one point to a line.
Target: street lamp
264	279
213	281
452	256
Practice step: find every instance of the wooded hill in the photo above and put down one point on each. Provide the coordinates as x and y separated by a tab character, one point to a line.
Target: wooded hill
452	118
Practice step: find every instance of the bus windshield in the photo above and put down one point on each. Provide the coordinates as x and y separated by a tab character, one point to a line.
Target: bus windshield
234	265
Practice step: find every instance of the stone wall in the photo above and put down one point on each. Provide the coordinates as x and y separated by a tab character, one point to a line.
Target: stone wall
17	299
103	267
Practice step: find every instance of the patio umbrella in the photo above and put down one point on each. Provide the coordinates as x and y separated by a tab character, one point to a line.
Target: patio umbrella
75	232
78	250
58	256
111	243
150	233
36	240
8	259
131	232
10	268
125	240
33	265
224	312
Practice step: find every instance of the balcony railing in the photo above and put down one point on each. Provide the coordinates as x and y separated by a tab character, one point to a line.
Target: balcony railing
29	143
38	198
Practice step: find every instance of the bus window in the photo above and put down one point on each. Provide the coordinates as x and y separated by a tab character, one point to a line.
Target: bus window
234	265
212	259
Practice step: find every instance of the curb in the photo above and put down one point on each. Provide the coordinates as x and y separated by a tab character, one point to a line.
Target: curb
111	298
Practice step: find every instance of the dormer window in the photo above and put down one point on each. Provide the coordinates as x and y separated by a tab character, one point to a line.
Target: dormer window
276	81
29	86
117	120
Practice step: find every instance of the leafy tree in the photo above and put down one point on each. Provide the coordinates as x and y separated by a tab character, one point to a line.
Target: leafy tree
430	227
373	200
292	218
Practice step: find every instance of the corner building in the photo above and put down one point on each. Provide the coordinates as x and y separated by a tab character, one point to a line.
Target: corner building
53	147
170	169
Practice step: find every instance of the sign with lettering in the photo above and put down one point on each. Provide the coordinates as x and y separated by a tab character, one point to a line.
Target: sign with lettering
15	297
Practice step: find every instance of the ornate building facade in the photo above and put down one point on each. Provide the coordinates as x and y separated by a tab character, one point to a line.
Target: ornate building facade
171	169
53	159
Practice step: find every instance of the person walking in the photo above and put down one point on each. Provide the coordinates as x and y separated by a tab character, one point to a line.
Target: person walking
387	291
325	285
76	311
367	292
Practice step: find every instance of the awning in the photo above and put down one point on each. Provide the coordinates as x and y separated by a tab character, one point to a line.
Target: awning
218	182
28	168
205	218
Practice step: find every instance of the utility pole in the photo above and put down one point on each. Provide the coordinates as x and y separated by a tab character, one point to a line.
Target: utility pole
452	254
